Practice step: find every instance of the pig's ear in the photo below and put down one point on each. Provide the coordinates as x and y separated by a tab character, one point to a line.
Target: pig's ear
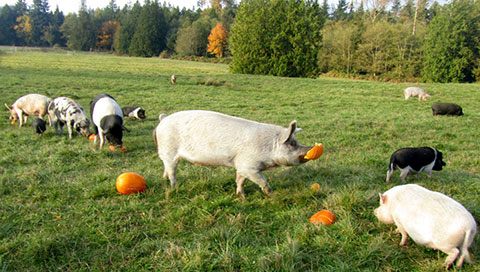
9	108
383	198
292	129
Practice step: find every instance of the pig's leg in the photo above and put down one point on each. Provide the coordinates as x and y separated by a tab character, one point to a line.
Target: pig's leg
429	173
101	136
389	175
240	181
69	128
170	170
20	117
404	174
404	236
258	178
452	255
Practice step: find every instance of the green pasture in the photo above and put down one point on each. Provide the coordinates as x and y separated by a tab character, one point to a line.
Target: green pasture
59	209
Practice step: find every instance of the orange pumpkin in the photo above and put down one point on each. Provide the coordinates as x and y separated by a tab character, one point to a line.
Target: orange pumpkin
123	149
130	182
13	122
324	217
315	152
112	147
91	137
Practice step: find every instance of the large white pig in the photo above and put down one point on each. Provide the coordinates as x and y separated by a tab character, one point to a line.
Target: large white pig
430	218
212	138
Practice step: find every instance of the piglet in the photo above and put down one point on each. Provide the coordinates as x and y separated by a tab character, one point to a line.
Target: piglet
212	138
416	91
430	218
39	126
414	160
446	109
134	112
30	104
107	118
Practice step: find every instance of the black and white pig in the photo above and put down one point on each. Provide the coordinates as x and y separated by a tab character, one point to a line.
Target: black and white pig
212	138
107	118
412	160
65	111
447	109
39	126
431	219
133	112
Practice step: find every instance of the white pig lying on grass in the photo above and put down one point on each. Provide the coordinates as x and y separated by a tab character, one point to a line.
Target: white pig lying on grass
430	218
212	138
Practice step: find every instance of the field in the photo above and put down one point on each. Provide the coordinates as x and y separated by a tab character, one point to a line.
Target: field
59	210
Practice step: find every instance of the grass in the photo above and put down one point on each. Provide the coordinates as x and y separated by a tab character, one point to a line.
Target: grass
59	209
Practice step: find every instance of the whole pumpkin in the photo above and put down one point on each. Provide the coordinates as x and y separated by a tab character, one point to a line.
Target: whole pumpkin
130	182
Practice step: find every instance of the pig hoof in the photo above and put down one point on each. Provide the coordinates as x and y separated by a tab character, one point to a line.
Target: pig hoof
267	190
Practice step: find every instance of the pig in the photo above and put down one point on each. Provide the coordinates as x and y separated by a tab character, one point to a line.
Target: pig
39	126
430	218
133	112
416	91
30	104
412	160
64	110
447	109
212	138
107	118
173	79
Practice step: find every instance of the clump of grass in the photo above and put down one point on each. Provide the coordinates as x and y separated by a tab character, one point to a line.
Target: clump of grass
211	82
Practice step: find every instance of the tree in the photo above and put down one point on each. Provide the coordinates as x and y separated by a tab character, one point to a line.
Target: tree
41	18
452	43
193	39
107	35
24	28
52	34
149	37
8	20
80	31
340	12
128	22
276	37
217	40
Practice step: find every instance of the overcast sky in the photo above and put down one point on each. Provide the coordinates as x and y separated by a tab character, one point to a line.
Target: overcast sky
68	6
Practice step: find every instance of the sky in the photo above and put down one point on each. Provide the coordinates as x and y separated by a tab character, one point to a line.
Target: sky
68	6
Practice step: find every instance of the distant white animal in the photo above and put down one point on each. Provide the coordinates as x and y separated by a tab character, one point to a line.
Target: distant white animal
173	79
416	91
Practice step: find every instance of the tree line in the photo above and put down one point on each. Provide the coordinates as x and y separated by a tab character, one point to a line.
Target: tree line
381	39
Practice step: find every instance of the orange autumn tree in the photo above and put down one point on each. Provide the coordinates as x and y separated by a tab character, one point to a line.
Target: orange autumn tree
217	40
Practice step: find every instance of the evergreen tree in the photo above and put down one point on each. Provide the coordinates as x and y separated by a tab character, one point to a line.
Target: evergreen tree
52	34
128	22
8	19
193	39
150	33
276	37
80	31
41	18
340	12
452	43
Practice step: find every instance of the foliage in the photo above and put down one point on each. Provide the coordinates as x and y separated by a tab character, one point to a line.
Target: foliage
24	28
193	39
60	211
217	41
108	34
150	33
276	37
80	31
128	21
452	46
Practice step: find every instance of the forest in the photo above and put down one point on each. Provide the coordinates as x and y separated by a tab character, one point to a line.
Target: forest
373	39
